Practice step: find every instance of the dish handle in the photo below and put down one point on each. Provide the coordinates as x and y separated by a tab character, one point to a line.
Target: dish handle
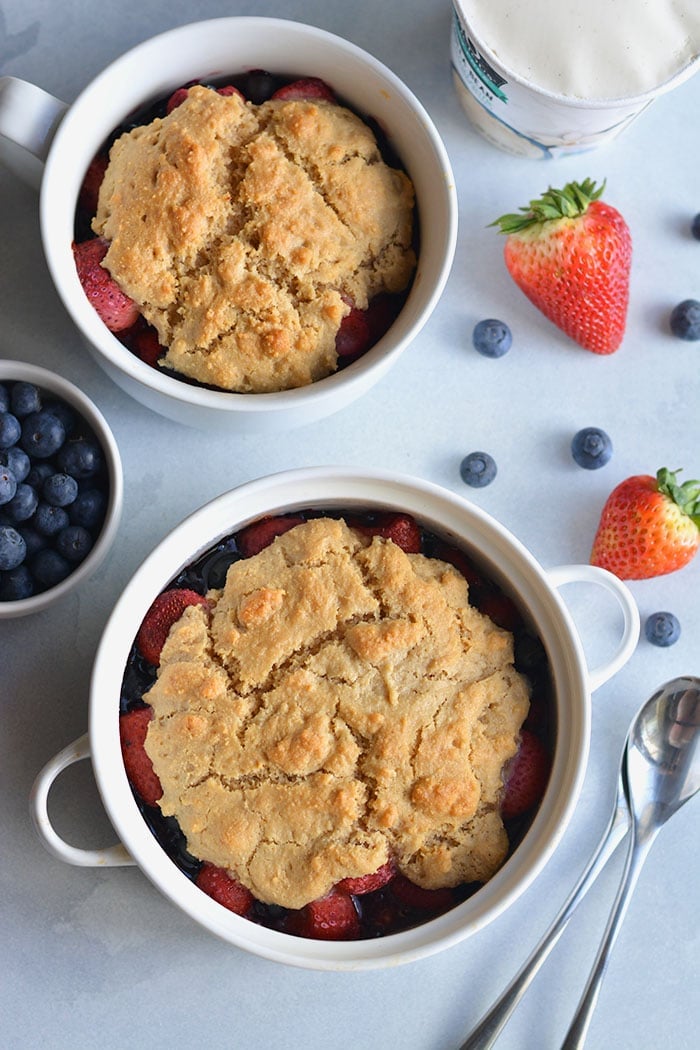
111	856
29	115
564	574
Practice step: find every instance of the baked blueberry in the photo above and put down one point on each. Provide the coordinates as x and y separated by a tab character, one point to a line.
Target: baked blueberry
591	448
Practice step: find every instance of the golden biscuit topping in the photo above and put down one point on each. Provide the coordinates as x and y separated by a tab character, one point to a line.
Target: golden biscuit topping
243	232
337	704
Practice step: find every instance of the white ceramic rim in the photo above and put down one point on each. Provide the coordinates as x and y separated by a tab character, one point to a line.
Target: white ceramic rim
174	55
67	391
448	515
574	101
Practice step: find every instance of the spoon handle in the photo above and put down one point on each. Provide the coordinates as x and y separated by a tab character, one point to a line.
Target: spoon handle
488	1029
637	850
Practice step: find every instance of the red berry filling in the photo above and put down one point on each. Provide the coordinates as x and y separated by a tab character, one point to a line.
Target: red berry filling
384	901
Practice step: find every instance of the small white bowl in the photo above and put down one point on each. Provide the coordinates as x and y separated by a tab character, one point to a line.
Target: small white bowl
209	49
461	524
14	371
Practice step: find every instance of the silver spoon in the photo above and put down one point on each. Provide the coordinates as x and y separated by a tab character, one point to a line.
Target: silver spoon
660	774
659	771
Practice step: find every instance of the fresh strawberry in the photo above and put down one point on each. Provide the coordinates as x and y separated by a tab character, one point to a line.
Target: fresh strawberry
400	528
254	538
417	897
308	88
218	884
648	526
570	253
166	610
368	883
133	726
526	777
90	189
115	308
330	918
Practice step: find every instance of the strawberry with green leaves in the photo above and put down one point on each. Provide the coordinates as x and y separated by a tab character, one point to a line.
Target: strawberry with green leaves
570	253
648	526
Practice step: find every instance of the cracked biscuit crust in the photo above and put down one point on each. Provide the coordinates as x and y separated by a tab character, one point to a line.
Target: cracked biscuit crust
243	232
339	704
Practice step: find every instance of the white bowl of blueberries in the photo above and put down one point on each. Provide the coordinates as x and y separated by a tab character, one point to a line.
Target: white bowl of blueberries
61	487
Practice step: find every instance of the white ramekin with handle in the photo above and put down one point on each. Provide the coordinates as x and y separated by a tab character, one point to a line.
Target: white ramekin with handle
536	591
64	139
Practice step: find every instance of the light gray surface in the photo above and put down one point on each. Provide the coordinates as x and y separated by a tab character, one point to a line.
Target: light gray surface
99	957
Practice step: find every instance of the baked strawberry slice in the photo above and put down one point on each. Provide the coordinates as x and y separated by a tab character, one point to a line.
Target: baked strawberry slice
218	884
501	609
305	89
133	726
254	538
176	99
415	896
526	777
368	883
166	610
114	307
330	918
229	89
90	189
142	340
353	337
402	529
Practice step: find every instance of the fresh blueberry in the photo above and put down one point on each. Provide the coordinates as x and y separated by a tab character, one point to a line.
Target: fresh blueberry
60	490
12	548
64	412
8	485
81	458
74	543
695	227
492	338
591	448
16	584
4	398
34	541
50	568
685	320
50	520
23	504
42	434
38	473
17	460
662	628
478	469
88	508
10	429
25	398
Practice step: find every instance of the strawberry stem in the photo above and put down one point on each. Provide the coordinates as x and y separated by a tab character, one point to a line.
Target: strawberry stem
685	496
569	203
